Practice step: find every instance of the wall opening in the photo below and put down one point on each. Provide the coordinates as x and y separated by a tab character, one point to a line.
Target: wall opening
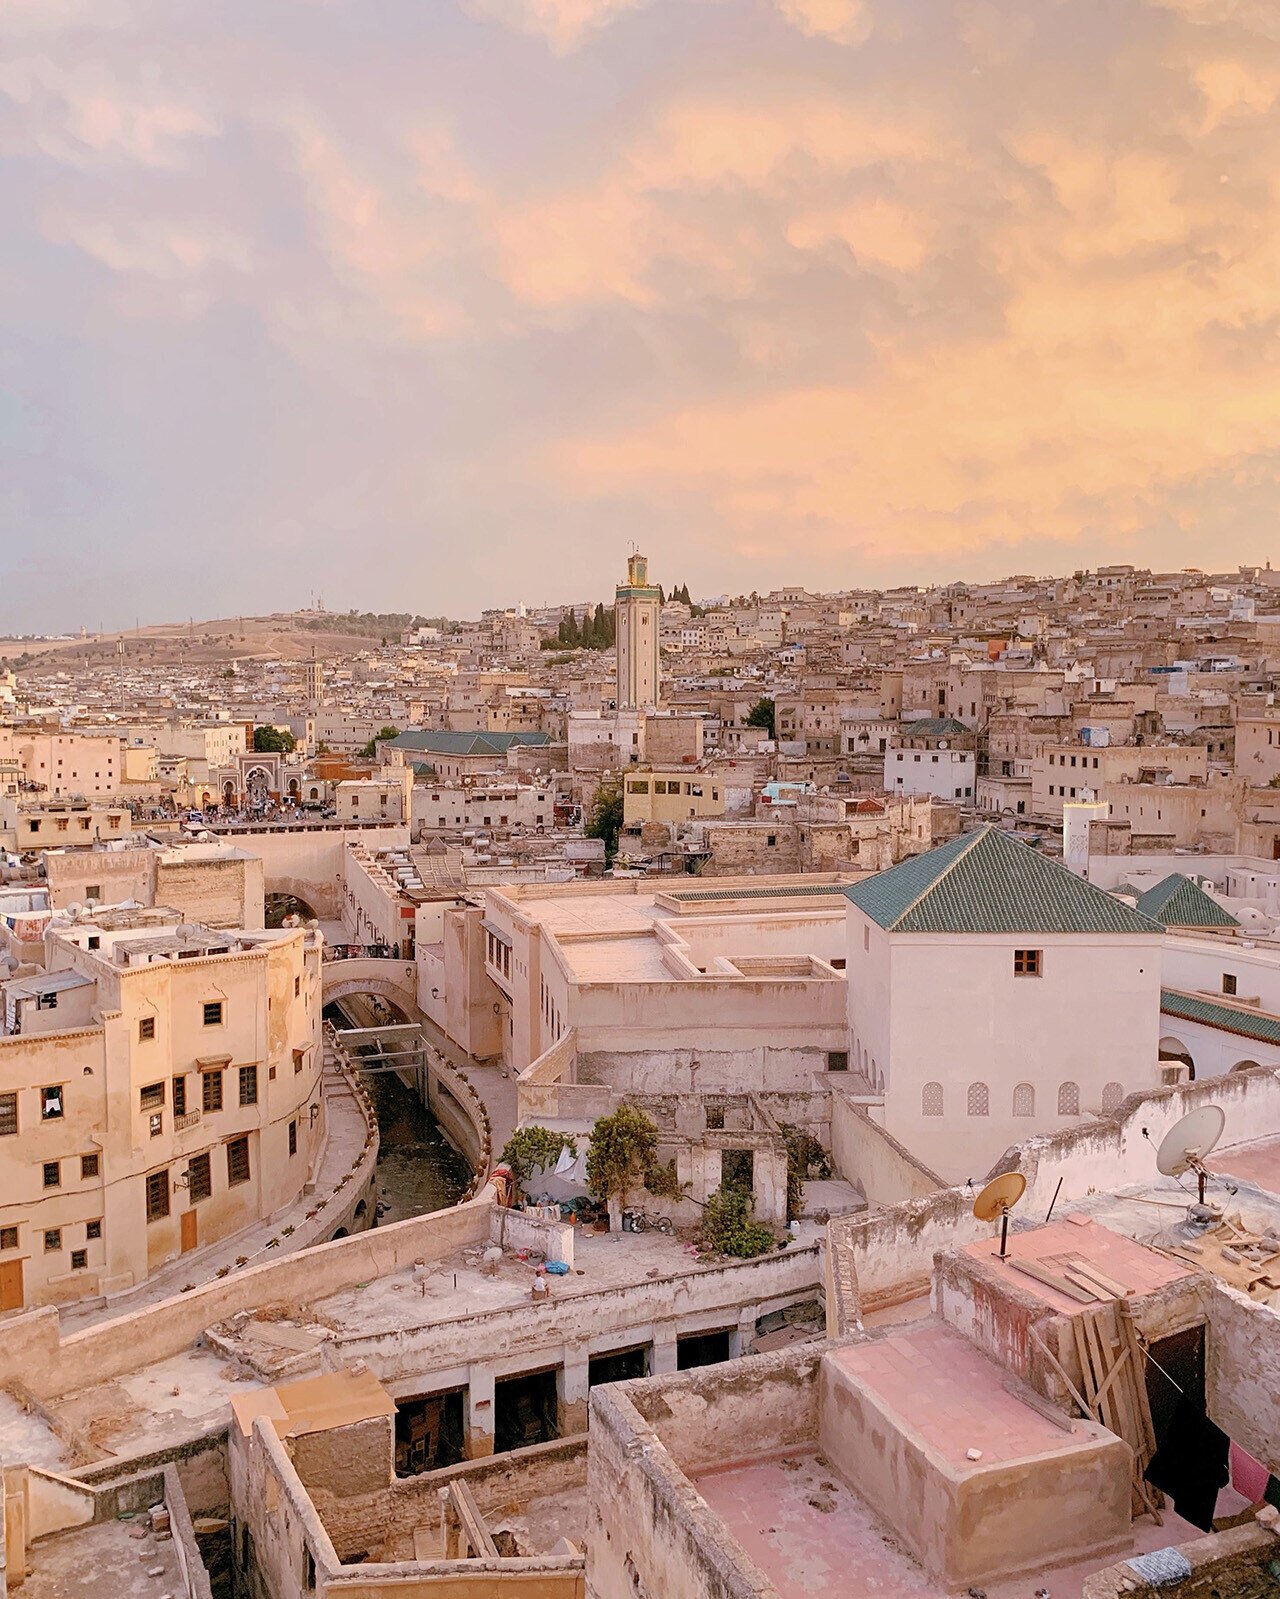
701	1349
525	1410
619	1365
430	1432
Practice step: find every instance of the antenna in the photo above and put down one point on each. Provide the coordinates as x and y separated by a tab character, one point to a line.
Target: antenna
997	1199
1184	1146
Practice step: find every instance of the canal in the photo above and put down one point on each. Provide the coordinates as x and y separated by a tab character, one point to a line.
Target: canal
419	1170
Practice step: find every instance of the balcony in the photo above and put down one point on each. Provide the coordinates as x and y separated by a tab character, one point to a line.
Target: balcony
181	1123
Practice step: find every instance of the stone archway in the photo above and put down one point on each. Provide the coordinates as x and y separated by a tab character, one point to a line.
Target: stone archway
1173	1049
1246	1066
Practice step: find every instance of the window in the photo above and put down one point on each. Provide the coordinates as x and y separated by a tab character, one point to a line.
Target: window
1112	1095
8	1237
248	1085
931	1099
1026	962
146	1028
79	1259
213	1013
293	1138
237	1161
52	1174
199	1178
151	1096
179	1096
93	1230
299	1055
158	1194
297	987
89	1167
211	1091
837	1060
52	1239
1024	1100
1228	983
51	1103
979	1099
8	1115
155	1123
1069	1099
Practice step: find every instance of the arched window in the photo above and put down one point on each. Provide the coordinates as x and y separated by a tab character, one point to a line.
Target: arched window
1024	1100
979	1099
1069	1099
1112	1094
931	1099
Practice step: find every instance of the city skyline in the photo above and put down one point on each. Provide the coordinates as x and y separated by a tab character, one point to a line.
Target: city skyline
769	286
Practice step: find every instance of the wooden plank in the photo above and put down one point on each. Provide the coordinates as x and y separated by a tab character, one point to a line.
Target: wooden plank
1031	1268
1115	1288
1061	1371
1040	1405
1081	1278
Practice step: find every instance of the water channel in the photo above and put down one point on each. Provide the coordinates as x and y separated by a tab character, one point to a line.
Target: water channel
418	1169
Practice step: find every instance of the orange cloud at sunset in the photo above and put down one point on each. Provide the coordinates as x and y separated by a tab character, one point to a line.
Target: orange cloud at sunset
779	288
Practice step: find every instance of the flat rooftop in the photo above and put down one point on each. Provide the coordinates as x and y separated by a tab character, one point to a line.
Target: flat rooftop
1079	1238
807	1532
951	1398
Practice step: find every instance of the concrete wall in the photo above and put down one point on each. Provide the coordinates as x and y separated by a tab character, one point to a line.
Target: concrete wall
651	1532
32	1351
1242	1375
864	1154
881	1258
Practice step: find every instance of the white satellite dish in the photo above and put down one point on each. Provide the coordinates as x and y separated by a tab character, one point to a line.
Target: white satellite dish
1184	1147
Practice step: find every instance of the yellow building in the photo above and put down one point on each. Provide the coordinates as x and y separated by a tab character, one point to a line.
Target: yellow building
160	1089
673	795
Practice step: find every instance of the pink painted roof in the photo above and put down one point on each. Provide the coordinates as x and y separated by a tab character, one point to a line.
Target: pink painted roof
1254	1163
1140	1269
940	1388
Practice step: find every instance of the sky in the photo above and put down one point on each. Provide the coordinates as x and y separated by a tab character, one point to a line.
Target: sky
431	305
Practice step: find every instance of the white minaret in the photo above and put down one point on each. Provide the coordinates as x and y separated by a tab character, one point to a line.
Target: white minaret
638	606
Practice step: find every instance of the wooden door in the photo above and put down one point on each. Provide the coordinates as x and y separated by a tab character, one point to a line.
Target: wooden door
190	1230
10	1285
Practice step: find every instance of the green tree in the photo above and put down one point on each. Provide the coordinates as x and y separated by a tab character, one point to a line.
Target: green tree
532	1149
761	714
729	1227
624	1147
273	740
605	820
370	750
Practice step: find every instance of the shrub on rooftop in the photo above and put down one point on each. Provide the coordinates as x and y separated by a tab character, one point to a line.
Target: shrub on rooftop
624	1147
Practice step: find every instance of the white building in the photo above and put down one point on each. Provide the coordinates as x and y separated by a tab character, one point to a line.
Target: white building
991	992
934	755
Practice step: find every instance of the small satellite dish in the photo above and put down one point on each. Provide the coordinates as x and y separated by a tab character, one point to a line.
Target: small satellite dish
997	1199
1184	1146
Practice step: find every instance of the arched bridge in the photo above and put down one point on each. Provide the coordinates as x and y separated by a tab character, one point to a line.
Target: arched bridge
396	981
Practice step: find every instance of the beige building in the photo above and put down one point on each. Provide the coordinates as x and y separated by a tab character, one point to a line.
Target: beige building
682	795
1063	771
214	884
159	1091
66	764
60	824
1258	747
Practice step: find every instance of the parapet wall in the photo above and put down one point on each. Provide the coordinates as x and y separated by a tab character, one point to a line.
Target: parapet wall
31	1350
887	1256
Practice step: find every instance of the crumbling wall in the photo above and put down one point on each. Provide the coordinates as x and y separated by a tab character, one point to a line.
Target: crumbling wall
1242	1371
872	1159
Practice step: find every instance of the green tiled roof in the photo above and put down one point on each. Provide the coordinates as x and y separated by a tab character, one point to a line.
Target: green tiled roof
1178	902
1230	1018
699	895
990	882
934	727
439	741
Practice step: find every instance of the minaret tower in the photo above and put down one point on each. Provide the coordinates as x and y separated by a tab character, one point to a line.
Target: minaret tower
638	607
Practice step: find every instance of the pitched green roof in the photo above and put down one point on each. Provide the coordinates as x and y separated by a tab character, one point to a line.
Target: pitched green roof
990	882
440	741
933	727
1178	902
1229	1018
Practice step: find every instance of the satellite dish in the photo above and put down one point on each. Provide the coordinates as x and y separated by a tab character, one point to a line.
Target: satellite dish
1184	1146
997	1199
